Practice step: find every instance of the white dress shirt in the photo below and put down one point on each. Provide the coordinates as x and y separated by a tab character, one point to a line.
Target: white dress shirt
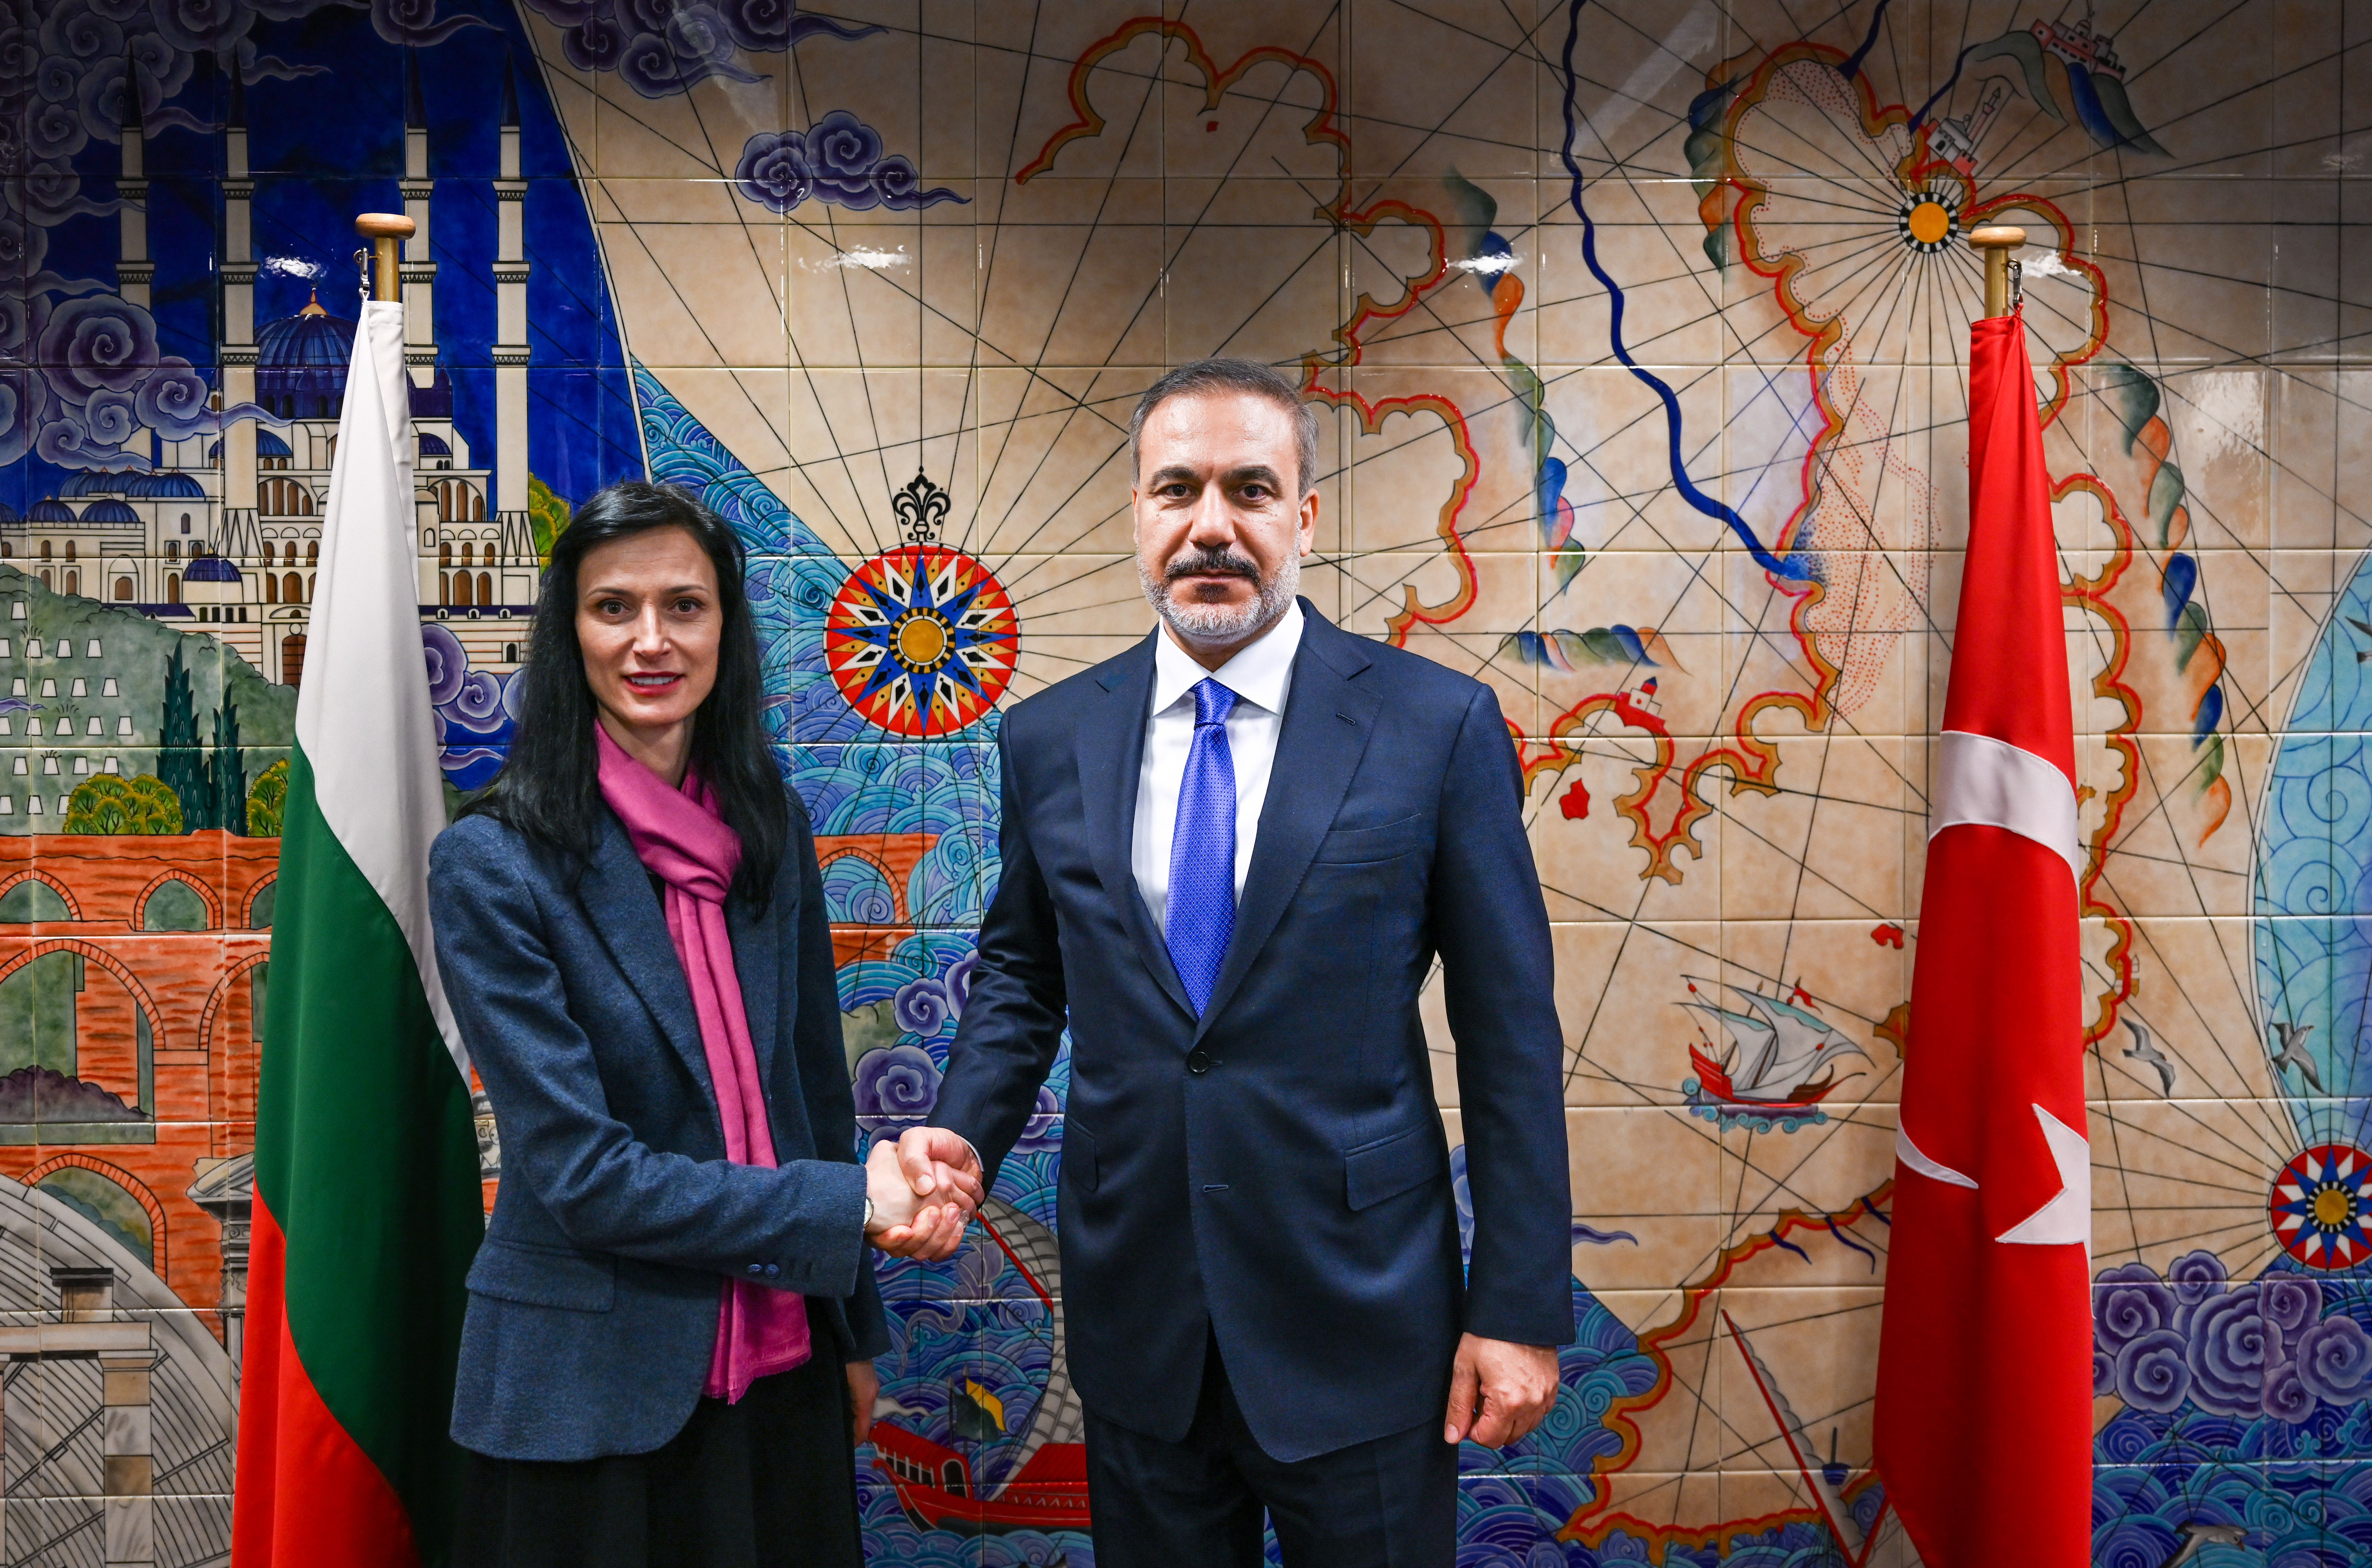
1259	676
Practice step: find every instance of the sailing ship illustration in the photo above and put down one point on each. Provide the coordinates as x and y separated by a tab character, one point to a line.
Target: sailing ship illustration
1839	1493
1046	1489
1780	1063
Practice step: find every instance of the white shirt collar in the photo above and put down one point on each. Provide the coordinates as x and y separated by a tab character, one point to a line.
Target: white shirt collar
1258	674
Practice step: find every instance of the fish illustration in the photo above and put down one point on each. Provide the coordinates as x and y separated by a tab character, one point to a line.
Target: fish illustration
2195	1535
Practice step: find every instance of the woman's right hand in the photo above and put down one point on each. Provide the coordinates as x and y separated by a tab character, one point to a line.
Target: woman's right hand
902	1224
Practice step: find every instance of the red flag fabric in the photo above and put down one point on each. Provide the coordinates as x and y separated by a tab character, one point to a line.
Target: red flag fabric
1983	1429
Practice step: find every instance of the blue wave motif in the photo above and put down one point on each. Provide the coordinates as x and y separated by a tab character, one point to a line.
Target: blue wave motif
682	452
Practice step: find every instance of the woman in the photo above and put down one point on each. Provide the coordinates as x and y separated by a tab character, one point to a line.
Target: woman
672	1319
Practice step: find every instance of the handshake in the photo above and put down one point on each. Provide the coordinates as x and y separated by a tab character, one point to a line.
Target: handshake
924	1190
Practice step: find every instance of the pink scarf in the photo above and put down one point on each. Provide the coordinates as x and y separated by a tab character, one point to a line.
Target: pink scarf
680	838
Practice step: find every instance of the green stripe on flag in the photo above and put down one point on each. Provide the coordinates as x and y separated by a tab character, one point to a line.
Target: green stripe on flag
367	1153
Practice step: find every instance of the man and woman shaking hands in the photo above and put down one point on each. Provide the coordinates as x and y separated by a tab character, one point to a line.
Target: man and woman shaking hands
1232	855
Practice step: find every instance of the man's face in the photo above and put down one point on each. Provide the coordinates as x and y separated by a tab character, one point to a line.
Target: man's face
1221	524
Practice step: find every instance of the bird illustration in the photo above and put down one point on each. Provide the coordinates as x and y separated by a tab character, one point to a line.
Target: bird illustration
2196	1536
2293	1052
2145	1049
2361	653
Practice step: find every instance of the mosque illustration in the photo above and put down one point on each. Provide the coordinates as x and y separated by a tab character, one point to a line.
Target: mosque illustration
222	534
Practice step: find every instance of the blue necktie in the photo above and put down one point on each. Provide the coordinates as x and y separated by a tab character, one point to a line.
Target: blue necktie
1202	914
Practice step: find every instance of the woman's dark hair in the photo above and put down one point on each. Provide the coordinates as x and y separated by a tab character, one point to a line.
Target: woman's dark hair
550	790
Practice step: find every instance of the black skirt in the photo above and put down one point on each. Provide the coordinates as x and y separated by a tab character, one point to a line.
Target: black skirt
769	1482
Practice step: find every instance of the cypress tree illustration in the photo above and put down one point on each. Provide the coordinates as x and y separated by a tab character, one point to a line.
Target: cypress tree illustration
180	765
227	775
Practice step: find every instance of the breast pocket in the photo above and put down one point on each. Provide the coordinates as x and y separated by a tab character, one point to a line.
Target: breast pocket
544	1276
1386	841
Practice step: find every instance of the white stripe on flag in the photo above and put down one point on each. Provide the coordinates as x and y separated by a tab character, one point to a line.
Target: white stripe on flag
1992	784
363	717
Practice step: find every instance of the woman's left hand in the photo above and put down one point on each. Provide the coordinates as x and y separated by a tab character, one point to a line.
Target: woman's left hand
863	1387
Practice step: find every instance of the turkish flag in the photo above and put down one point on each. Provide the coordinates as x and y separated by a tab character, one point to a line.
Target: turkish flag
1983	1422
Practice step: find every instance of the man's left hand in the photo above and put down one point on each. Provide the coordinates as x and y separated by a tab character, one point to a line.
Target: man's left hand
1498	1392
863	1387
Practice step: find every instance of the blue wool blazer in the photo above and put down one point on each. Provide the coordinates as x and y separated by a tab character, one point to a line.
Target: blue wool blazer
1275	1171
592	1310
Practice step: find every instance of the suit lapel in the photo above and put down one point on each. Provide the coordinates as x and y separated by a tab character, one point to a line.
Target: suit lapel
1111	756
617	894
1328	723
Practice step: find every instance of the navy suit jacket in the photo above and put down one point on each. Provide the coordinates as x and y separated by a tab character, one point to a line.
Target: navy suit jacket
1276	1171
593	1301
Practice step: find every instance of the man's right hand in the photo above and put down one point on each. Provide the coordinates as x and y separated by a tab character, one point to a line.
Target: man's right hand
937	1161
902	1224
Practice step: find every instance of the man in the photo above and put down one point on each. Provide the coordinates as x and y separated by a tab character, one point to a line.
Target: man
1232	855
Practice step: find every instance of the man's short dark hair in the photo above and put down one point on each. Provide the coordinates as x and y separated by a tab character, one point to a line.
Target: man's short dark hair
1233	376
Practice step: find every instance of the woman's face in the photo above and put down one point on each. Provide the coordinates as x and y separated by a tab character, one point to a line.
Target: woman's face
648	621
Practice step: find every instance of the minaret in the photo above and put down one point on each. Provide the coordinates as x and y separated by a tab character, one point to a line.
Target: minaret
238	351
510	347
418	271
134	271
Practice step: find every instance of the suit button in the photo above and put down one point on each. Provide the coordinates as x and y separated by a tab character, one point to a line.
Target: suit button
1198	1061
773	1270
756	1270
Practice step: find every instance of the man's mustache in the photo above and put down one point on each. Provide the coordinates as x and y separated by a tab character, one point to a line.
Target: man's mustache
1211	561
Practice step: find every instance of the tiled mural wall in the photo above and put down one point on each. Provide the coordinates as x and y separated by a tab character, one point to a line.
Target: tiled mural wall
1637	328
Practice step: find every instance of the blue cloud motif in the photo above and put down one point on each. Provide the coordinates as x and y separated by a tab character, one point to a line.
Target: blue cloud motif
663	47
838	160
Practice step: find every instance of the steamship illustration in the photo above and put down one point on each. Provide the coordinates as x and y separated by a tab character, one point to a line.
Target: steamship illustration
1046	1490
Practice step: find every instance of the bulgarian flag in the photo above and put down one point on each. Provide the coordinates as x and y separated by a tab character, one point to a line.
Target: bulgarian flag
367	1207
1985	1372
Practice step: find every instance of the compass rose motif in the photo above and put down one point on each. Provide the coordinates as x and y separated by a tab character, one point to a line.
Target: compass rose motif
921	640
1926	219
2320	1207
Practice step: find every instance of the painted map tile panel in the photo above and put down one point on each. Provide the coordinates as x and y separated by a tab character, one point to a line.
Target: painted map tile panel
1636	336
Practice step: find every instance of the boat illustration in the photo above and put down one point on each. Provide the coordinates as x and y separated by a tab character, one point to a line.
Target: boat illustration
1779	1065
1047	1488
1834	1486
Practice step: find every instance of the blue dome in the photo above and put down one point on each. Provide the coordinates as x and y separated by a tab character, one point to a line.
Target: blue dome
267	445
90	482
108	512
8	513
434	446
304	358
164	487
51	511
210	569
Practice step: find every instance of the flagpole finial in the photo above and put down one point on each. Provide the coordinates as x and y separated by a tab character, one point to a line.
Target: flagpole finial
383	229
1997	242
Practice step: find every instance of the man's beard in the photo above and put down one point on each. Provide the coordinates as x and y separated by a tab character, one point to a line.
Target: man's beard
1216	625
